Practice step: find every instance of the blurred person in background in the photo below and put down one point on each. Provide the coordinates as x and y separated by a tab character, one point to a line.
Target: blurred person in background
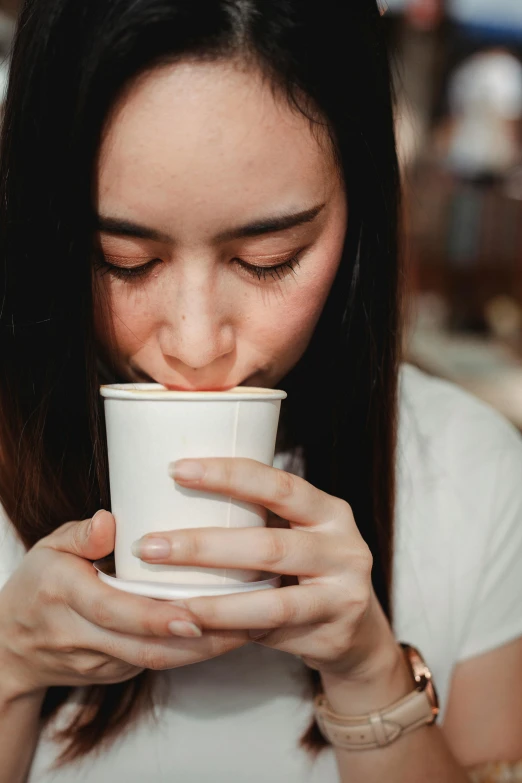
205	195
489	18
485	103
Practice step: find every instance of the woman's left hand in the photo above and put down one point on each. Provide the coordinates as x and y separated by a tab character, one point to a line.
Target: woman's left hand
331	617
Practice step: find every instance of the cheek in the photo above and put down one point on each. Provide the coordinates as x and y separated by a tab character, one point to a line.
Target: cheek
122	320
311	291
284	325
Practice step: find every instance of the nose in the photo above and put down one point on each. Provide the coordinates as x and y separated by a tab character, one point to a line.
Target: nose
196	330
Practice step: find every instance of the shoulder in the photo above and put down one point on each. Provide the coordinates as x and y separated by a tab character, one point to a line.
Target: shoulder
457	574
450	424
459	463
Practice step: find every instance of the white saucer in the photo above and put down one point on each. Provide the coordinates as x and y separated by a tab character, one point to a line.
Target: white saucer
168	592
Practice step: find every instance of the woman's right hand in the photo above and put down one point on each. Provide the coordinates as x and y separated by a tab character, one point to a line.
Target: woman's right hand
61	625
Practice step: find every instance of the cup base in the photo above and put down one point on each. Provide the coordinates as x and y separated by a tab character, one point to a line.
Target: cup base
173	592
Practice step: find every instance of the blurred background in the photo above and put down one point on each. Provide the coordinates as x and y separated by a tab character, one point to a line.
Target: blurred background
458	82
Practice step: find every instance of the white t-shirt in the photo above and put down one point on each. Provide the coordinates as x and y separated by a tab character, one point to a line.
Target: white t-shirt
457	593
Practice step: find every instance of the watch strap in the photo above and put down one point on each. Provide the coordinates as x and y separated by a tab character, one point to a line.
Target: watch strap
378	728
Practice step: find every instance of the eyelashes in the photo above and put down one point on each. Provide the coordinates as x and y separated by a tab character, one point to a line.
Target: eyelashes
123	272
277	272
130	274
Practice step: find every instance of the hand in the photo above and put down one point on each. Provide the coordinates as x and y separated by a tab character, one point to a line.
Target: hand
61	625
331	617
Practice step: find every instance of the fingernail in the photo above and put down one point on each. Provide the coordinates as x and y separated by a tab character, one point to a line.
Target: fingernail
186	470
151	548
184	628
94	516
258	634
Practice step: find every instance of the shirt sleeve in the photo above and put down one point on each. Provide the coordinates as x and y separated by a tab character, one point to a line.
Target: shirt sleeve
495	616
11	548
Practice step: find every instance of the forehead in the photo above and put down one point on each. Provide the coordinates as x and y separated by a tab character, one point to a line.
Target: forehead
209	137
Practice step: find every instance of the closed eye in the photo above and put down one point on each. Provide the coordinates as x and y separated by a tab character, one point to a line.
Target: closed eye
125	272
276	272
130	273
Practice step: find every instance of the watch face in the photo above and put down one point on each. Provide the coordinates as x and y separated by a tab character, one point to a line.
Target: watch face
431	693
422	676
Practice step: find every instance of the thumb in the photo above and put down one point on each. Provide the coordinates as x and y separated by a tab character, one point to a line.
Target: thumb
91	539
100	536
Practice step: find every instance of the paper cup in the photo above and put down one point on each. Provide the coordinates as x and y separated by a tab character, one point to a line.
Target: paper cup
148	427
175	592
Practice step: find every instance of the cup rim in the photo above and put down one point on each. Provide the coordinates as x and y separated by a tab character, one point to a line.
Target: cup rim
155	391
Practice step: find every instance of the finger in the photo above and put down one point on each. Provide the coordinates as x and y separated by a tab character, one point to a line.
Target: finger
124	613
160	653
267	609
285	494
91	539
296	552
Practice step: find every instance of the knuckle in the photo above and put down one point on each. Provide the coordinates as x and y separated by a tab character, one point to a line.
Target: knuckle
153	658
285	485
191	546
101	614
62	644
275	550
89	665
342	508
359	603
160	663
46	594
50	541
358	558
149	625
342	555
340	642
216	644
282	612
154	625
320	607
222	642
364	561
229	473
355	603
77	537
65	647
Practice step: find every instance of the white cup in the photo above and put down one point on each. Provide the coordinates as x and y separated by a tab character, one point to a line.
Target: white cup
149	427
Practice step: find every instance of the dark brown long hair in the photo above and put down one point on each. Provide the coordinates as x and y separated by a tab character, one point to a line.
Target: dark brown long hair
70	62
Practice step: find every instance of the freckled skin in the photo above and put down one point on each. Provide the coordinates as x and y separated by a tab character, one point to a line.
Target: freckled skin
193	150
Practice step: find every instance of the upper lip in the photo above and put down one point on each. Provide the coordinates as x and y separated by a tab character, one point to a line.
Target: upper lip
176	387
179	387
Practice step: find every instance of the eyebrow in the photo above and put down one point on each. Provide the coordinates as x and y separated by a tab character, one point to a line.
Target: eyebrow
271	225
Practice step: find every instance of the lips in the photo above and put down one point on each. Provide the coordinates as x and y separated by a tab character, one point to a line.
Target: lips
143	377
172	387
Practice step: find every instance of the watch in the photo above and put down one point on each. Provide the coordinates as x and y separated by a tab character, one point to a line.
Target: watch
382	727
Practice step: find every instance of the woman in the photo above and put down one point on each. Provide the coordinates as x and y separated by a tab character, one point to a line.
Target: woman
205	194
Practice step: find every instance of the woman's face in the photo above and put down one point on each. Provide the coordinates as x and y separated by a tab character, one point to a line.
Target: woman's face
205	182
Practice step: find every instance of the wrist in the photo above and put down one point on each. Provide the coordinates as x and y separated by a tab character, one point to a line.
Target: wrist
386	678
11	693
376	665
13	686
